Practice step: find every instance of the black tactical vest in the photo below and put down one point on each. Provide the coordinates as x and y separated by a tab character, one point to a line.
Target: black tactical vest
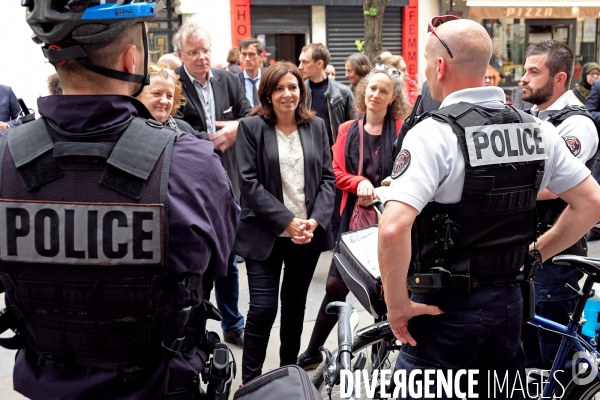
84	252
550	210
484	238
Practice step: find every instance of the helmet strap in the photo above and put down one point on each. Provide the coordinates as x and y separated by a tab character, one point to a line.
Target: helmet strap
143	80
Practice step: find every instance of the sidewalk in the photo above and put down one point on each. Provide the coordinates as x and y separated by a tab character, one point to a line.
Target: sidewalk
315	296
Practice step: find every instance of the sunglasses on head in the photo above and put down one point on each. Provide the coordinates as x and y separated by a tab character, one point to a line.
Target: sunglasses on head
386	68
437	21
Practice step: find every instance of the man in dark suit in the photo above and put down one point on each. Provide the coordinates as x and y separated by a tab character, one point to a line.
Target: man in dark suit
252	56
9	108
216	101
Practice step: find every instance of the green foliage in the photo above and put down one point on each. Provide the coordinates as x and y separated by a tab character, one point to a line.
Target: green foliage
372	12
360	45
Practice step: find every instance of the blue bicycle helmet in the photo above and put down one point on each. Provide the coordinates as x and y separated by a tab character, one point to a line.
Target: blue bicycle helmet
72	29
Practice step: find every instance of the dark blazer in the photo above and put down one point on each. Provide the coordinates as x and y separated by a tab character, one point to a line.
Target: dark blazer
230	104
264	216
9	107
593	102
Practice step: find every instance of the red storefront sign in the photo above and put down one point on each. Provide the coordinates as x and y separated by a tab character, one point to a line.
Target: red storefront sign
240	21
410	37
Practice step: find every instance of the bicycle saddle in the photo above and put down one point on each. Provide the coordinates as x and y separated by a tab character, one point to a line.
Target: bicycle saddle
589	265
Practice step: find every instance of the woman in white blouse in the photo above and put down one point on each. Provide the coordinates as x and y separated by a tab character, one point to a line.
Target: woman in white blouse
287	193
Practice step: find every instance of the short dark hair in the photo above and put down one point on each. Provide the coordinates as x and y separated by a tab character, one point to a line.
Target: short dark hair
54	86
319	52
360	64
560	57
233	57
252	42
268	83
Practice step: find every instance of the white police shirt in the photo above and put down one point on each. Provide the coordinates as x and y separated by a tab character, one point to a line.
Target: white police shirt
434	168
578	132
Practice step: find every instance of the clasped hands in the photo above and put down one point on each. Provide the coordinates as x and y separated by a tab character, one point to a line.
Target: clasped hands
301	230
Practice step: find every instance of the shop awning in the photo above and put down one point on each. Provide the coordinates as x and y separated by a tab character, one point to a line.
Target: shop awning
534	9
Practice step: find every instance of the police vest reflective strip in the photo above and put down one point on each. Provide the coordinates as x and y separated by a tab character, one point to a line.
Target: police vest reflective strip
505	143
81	233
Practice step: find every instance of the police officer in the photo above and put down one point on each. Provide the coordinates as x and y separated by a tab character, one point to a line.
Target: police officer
109	221
548	72
460	215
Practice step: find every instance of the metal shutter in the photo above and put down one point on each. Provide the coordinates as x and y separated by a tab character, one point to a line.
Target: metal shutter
346	24
273	19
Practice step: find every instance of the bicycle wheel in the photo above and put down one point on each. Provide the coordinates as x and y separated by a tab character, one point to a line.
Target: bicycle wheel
574	391
381	350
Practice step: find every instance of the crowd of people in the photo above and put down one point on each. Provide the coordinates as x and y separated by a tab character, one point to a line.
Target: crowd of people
267	166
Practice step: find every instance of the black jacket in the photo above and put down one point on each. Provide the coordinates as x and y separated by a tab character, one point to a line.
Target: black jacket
340	102
264	216
230	104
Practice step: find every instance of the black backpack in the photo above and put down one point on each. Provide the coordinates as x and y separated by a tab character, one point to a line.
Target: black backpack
289	383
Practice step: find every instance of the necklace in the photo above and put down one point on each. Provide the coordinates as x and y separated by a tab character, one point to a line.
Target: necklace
283	130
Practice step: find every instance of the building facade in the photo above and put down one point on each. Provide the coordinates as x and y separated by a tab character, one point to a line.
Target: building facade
514	24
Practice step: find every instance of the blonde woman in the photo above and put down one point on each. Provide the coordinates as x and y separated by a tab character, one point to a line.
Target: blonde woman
162	97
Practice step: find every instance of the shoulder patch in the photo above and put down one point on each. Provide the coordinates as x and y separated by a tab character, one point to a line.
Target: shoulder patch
573	144
401	164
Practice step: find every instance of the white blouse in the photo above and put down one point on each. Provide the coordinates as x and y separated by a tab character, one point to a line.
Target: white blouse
291	168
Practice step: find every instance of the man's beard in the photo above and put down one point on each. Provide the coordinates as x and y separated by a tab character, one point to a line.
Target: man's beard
541	95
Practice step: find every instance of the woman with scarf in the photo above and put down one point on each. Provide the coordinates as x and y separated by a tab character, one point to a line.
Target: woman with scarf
589	74
380	98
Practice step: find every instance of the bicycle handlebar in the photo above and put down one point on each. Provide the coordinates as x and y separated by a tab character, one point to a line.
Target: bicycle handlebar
347	323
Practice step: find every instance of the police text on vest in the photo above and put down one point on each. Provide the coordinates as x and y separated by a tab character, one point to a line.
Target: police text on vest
80	233
504	143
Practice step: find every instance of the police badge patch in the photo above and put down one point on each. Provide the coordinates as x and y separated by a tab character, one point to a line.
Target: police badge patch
573	144
401	164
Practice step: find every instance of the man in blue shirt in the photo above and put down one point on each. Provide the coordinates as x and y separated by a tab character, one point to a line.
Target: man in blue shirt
252	56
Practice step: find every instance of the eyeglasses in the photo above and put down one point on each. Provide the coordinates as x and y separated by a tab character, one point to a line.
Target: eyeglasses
386	68
437	21
595	74
195	53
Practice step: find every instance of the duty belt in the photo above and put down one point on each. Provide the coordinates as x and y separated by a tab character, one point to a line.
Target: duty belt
435	282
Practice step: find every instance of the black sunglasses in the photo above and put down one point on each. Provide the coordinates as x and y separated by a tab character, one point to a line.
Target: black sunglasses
437	21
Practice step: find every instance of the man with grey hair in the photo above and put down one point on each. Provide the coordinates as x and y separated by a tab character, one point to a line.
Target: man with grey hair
460	217
216	100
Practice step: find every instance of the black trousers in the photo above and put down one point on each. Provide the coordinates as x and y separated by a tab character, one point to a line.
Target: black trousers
263	281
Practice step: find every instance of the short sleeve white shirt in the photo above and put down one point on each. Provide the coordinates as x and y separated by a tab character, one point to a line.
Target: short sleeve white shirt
578	129
437	168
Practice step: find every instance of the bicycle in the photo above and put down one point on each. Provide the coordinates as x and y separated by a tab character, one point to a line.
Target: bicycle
582	386
379	336
376	340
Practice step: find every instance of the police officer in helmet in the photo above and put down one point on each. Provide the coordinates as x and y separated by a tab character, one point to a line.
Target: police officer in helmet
548	71
460	216
109	221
